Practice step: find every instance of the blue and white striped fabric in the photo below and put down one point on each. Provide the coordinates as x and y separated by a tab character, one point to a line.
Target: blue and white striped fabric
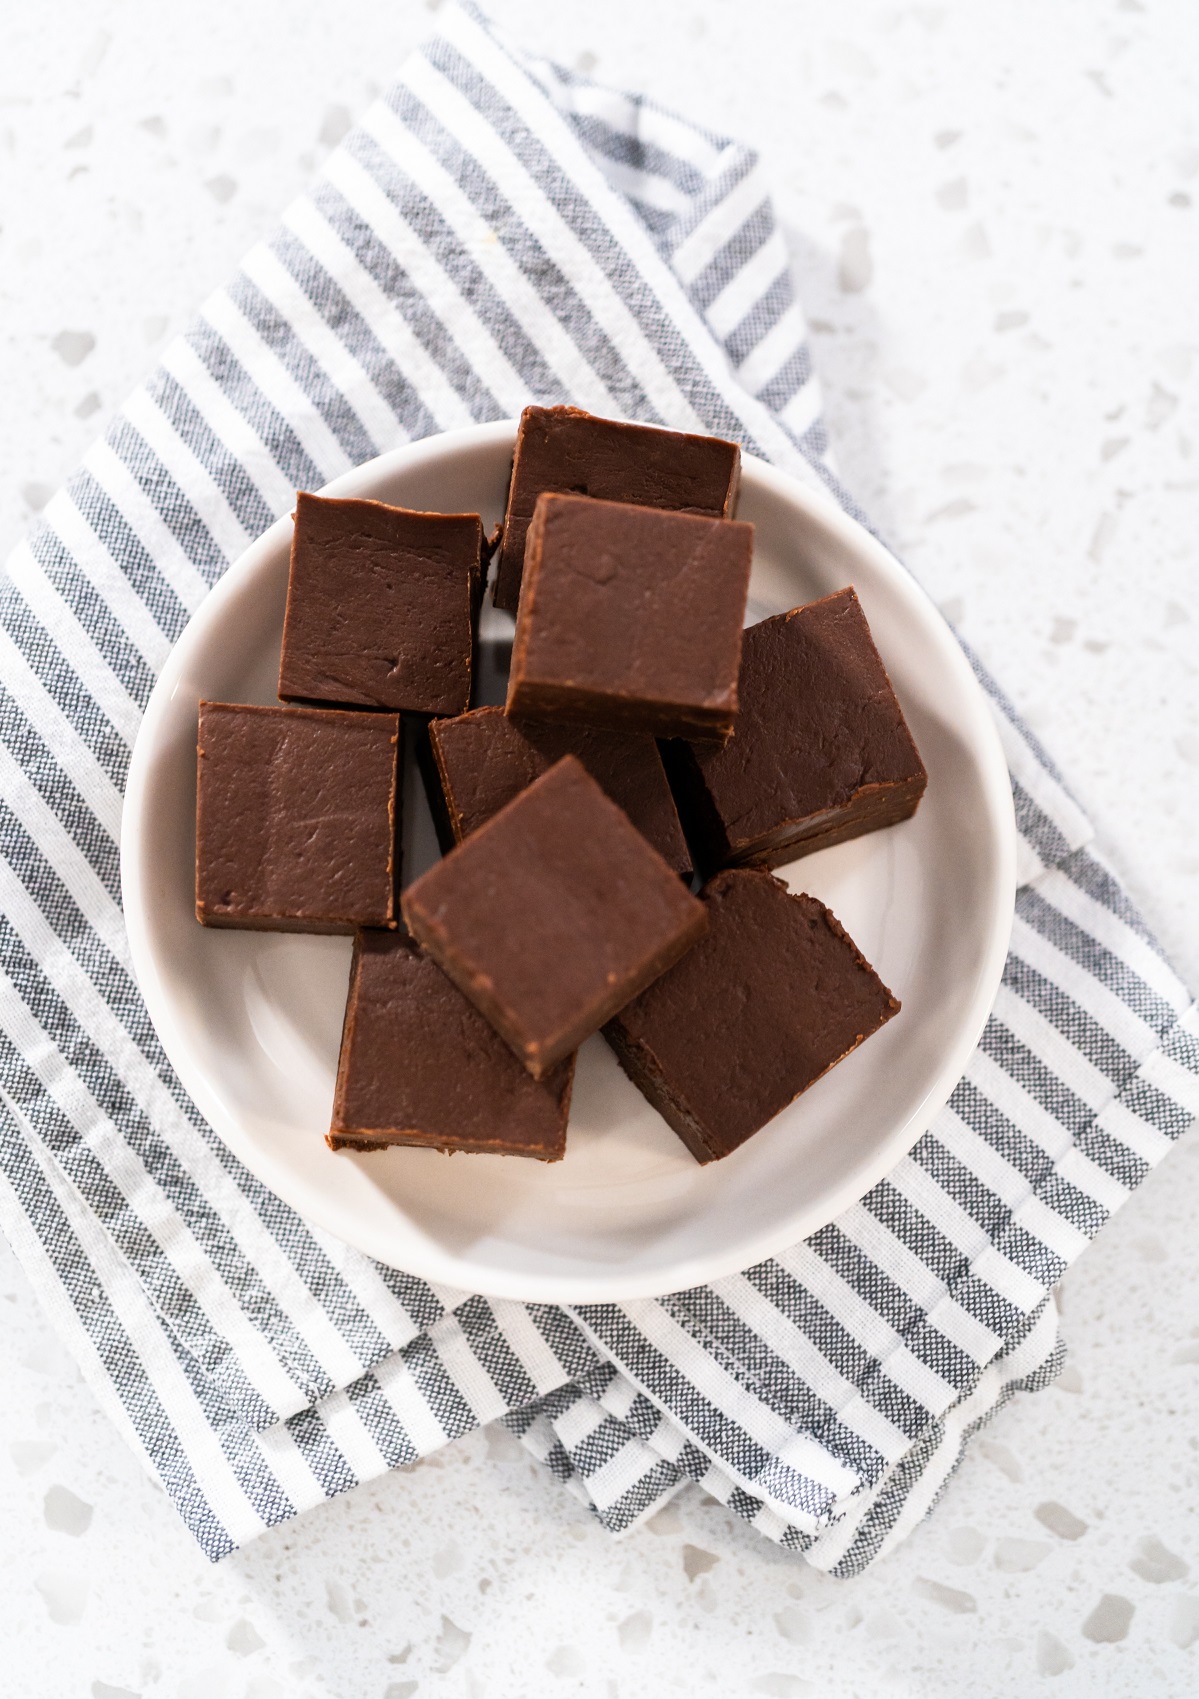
497	232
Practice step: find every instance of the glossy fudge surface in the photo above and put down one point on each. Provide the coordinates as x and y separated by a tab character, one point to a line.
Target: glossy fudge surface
822	752
420	1066
630	618
553	914
770	999
296	818
484	759
569	451
380	606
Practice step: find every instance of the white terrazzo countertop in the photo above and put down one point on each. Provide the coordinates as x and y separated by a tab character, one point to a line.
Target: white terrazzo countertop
994	232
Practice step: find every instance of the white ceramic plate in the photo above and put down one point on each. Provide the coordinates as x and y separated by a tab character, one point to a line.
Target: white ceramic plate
251	1020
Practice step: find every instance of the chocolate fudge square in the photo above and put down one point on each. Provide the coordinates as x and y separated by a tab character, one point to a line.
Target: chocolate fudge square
420	1066
483	759
380	606
770	999
630	618
822	751
569	451
553	914
296	814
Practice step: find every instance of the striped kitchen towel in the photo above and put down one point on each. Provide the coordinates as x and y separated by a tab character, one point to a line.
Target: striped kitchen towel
496	232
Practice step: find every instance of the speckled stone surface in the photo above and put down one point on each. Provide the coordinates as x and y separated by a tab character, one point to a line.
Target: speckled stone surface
992	221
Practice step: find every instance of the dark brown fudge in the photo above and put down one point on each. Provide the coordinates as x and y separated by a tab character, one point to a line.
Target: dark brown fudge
822	751
380	606
567	450
296	814
553	915
484	758
630	618
420	1066
770	999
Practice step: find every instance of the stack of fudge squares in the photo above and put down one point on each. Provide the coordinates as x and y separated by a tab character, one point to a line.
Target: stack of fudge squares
649	744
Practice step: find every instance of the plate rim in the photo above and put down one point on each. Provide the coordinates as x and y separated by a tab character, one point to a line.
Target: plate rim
436	1263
